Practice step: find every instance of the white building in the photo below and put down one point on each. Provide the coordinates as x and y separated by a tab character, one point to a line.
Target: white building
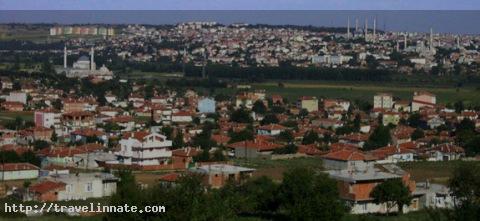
383	100
17	97
83	68
143	149
82	186
18	171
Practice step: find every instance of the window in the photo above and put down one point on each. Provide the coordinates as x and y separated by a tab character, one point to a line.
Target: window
88	187
69	188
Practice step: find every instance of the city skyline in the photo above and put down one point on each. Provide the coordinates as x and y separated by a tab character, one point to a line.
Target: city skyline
456	22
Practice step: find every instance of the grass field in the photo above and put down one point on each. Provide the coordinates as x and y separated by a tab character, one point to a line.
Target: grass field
366	91
10	116
436	172
275	168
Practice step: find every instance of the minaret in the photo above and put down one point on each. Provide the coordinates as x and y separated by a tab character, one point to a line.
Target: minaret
356	25
458	41
431	39
92	62
405	43
374	29
65	57
398	45
348	28
366	29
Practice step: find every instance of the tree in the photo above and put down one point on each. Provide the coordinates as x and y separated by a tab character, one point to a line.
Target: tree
465	186
310	137
241	116
178	141
259	107
415	120
287	149
472	147
306	195
379	138
286	136
40	144
269	119
242	135
167	131
417	134
393	193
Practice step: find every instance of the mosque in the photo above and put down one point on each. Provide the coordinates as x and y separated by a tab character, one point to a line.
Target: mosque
84	67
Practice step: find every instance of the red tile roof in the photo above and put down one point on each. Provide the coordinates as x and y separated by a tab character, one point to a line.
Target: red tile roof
349	155
260	145
46	186
17	166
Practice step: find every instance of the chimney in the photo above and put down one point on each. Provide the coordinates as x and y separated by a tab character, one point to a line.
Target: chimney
65	57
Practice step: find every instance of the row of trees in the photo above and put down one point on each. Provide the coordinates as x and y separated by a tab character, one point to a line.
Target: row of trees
303	195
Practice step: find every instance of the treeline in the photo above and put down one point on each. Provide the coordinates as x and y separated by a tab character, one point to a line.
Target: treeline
302	195
290	73
28	45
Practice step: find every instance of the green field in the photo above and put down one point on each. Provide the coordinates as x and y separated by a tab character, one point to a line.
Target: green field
436	172
10	116
366	91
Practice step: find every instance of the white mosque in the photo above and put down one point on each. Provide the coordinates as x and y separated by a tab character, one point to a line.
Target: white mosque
83	68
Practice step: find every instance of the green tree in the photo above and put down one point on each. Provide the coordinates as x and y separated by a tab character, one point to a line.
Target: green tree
178	142
417	134
259	107
465	186
269	119
307	195
310	137
286	136
392	193
241	116
379	138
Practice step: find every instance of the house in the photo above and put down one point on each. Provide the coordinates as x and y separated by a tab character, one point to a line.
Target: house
390	117
67	156
327	123
393	154
445	152
182	117
217	175
434	196
253	148
308	103
44	191
48	118
77	120
12	106
206	105
383	100
18	171
348	159
270	129
423	99
79	186
356	139
356	178
143	149
16	96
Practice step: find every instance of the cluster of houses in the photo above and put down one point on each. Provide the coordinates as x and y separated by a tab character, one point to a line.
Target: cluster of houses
132	133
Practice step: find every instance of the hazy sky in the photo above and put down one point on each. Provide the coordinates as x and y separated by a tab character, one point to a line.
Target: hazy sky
239	4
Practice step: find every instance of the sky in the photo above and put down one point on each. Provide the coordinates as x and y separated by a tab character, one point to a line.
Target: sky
239	4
